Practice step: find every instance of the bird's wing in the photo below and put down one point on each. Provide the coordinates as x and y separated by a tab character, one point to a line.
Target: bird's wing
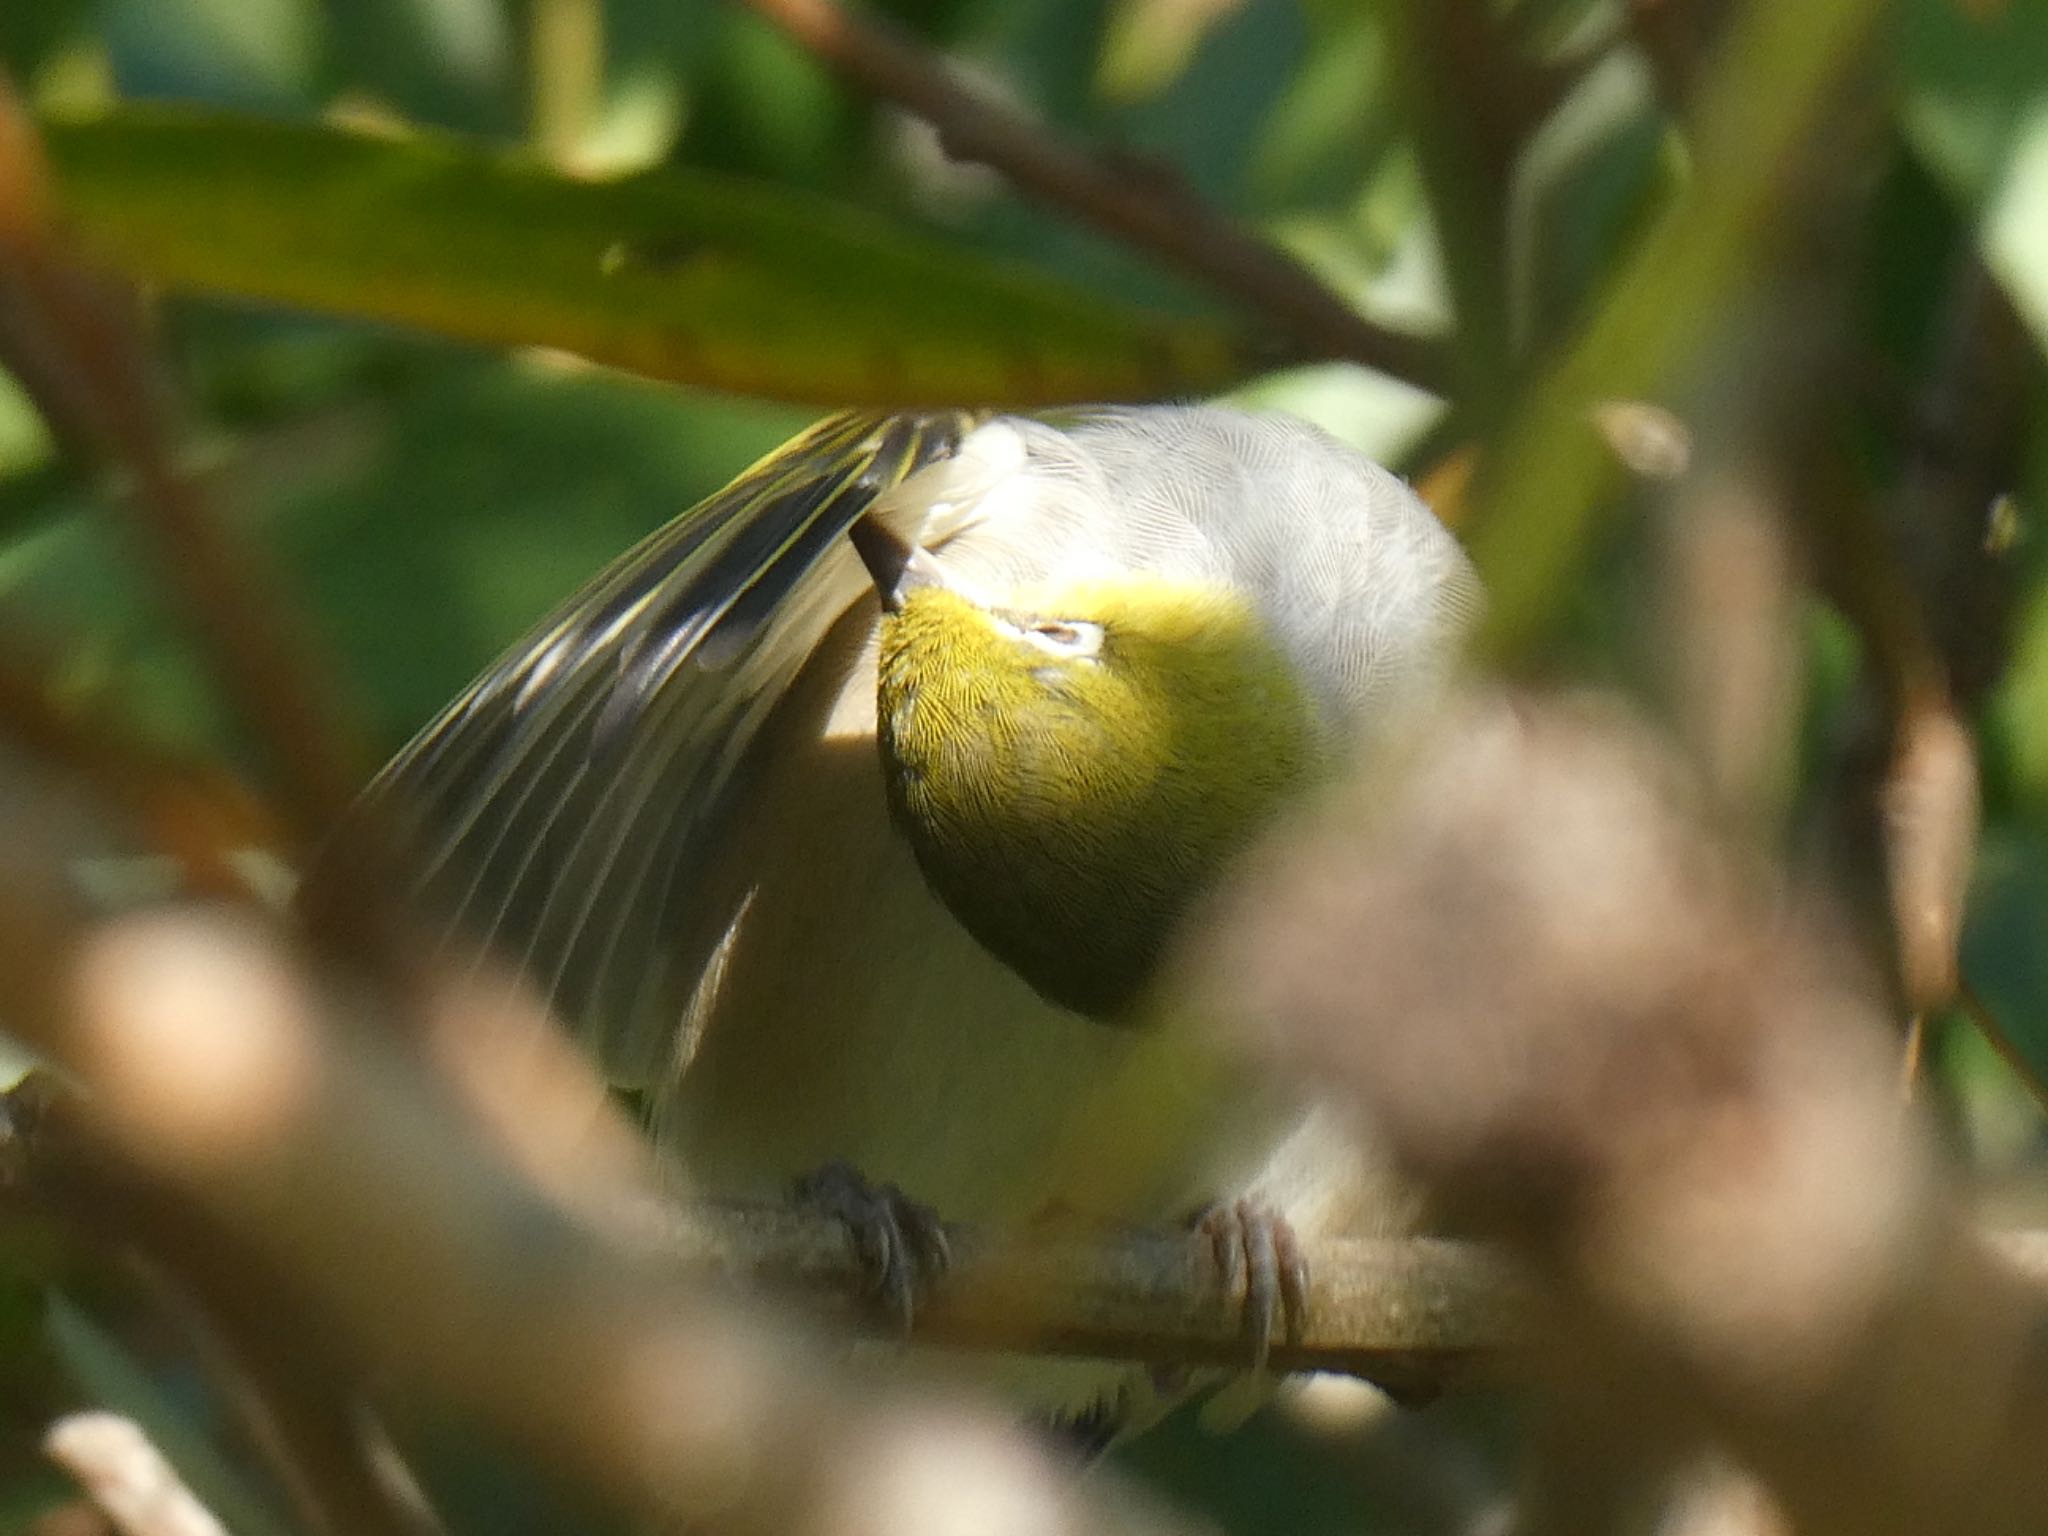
563	807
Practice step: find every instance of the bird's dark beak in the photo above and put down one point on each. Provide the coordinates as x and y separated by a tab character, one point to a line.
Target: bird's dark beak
897	566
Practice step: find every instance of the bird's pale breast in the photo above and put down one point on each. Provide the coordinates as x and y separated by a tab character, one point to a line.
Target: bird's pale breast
854	1018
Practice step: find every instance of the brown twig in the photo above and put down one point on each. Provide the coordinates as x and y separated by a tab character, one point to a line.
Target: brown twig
1995	1034
1963	444
300	1405
78	789
128	1478
1912	816
267	1131
1909	569
1728	611
1675	36
1413	1315
1647	1062
1474	99
1933	610
1948	636
191	811
1140	206
76	343
317	1145
321	1147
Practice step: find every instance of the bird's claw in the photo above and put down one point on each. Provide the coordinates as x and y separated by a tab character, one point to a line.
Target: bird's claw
901	1243
1255	1251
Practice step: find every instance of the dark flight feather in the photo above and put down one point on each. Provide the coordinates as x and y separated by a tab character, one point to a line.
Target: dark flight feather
563	806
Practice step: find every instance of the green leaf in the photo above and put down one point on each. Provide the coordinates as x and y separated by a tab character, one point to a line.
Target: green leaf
1591	180
1543	487
701	280
1336	123
2001	951
1976	109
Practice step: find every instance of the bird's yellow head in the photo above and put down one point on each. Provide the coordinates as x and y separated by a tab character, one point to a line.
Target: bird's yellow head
1073	766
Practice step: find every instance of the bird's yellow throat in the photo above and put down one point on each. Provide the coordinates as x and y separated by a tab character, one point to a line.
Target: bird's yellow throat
1074	768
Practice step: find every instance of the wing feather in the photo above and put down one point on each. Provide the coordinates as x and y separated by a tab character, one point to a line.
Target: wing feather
565	807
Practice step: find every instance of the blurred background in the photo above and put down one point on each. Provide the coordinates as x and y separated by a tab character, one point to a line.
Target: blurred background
1876	328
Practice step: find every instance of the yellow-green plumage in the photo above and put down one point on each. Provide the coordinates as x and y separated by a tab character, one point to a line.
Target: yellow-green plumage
1068	808
822	885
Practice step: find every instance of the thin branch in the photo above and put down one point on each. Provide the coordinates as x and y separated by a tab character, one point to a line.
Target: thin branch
1413	1315
75	340
1474	100
192	811
128	1478
302	1408
238	1088
1995	1034
1652	1066
332	1145
1934	610
1142	207
1676	36
1909	570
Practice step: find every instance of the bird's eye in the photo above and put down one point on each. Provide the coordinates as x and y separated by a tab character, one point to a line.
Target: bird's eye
1065	637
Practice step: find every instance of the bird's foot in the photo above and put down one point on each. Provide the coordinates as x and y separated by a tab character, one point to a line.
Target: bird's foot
1084	1433
1255	1251
901	1243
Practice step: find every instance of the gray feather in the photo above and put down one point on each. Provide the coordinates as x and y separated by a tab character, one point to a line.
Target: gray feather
559	804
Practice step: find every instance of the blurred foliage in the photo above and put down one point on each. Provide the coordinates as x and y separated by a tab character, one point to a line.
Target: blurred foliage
429	498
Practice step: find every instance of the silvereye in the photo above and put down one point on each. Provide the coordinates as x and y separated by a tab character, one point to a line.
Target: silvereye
850	817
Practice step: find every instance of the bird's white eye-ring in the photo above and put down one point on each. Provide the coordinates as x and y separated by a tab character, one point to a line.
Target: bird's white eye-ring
1064	637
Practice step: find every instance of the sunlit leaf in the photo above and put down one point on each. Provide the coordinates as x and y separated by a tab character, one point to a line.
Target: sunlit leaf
1337	121
708	281
1976	109
1151	42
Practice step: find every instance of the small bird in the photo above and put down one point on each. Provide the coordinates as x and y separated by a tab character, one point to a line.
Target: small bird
851	816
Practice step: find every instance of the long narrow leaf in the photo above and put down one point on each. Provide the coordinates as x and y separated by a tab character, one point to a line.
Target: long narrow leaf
698	279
